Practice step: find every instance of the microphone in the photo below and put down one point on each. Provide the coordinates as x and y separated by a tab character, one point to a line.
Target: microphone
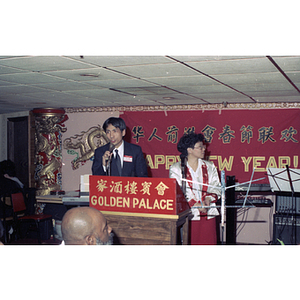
111	149
108	159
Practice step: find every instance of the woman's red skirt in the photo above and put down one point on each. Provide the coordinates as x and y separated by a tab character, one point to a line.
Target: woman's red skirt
203	231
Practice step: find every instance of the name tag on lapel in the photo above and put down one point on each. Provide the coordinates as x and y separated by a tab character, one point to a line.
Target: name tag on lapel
127	158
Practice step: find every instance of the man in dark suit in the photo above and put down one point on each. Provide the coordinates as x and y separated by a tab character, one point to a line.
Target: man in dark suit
118	158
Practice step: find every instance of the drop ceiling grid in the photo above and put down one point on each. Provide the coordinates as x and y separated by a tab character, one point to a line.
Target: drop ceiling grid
59	79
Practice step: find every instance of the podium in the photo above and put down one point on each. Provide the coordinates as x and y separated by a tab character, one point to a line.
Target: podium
142	210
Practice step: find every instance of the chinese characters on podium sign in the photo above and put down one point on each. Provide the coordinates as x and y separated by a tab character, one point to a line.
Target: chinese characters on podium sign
161	196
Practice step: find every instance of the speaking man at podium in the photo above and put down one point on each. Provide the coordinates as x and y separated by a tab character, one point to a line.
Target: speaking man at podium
118	157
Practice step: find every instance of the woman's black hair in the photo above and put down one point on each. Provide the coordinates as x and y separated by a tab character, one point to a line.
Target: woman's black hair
117	122
8	167
189	140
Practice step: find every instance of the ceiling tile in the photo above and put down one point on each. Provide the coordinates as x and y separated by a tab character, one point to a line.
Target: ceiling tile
196	80
44	63
220	97
91	74
250	78
116	61
6	83
237	66
288	64
64	85
195	58
135	101
158	90
273	87
216	88
182	101
175	97
104	94
278	99
28	78
19	89
294	76
274	93
7	70
156	70
55	96
120	83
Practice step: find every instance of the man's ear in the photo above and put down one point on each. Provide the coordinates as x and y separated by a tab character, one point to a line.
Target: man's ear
123	132
90	240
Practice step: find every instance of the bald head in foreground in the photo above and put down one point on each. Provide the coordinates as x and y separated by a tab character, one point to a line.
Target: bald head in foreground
85	226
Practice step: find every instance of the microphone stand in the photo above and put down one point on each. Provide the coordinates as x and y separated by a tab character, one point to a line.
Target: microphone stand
183	166
108	167
222	204
108	161
294	218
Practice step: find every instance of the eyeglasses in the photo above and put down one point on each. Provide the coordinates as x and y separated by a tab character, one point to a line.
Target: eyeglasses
200	147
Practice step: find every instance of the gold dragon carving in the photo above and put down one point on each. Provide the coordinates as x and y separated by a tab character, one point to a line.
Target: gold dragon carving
86	142
48	131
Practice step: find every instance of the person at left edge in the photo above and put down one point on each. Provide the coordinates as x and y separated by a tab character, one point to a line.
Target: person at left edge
132	159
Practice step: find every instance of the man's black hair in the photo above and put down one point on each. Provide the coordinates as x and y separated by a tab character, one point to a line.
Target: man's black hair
117	122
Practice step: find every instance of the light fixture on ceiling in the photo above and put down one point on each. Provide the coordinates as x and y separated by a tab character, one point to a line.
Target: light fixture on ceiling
168	98
90	75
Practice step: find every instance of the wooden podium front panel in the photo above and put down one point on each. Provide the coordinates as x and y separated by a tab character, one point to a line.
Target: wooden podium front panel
130	230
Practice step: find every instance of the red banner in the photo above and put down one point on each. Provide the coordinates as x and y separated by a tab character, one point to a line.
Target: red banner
239	140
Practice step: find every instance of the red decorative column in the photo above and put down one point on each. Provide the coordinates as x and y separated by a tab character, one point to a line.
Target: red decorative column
48	149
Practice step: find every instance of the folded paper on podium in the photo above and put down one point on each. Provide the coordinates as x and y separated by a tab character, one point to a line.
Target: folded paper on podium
141	210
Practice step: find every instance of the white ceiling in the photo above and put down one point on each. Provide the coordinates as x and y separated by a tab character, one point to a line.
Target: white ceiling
28	82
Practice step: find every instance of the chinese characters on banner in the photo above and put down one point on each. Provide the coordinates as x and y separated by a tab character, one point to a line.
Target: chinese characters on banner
238	140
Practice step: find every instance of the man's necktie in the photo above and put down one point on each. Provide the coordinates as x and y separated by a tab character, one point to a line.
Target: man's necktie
116	169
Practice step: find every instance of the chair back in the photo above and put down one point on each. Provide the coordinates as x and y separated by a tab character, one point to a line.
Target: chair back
18	202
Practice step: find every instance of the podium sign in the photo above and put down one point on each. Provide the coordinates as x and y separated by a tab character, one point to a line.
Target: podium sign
137	195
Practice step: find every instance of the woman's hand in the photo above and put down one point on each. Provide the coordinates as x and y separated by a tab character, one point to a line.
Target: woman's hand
201	206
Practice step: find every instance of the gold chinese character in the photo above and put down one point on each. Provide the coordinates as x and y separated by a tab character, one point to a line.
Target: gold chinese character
146	187
116	187
161	188
101	185
131	187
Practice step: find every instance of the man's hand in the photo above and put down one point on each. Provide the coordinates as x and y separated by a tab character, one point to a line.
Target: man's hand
106	158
